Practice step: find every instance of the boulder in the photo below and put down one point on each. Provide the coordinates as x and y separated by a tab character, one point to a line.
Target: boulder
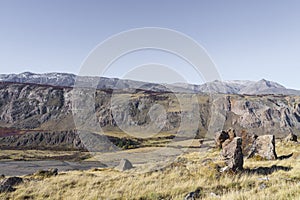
124	165
248	140
291	138
5	188
264	148
233	155
224	144
11	181
231	133
220	138
47	173
201	141
7	184
193	195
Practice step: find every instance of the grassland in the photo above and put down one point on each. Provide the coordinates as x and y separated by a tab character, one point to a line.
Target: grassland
187	173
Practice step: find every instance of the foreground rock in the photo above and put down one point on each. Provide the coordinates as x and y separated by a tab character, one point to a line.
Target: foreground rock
47	173
124	165
220	138
231	134
193	195
264	148
7	185
233	155
248	140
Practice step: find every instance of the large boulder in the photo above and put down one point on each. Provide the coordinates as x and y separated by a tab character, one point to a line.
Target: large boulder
264	148
248	140
220	138
233	155
124	165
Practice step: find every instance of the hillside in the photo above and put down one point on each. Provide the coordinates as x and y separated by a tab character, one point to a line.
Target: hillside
49	108
265	180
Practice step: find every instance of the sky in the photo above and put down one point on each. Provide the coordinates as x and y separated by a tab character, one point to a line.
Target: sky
247	40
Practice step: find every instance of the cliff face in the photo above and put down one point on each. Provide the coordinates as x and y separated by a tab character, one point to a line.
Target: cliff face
264	114
49	108
27	106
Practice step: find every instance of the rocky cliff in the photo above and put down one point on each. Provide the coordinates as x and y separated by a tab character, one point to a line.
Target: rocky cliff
49	108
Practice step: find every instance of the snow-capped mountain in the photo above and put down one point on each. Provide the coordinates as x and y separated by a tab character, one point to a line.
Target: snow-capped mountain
261	86
56	79
224	87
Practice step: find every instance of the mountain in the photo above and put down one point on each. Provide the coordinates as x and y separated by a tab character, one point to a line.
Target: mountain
224	87
55	79
216	87
49	108
262	86
71	80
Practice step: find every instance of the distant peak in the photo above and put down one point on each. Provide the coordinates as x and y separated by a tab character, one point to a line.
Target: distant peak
27	73
267	81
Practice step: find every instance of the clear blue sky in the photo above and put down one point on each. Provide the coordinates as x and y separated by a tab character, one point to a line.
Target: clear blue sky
246	39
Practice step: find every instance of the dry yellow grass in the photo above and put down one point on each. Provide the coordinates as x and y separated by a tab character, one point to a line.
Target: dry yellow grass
187	173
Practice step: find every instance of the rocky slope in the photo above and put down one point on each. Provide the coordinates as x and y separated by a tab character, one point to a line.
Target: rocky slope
59	140
29	106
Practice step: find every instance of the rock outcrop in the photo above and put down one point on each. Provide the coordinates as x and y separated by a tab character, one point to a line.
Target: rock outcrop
248	141
193	195
231	134
61	140
47	173
220	138
66	140
264	148
7	185
124	165
223	138
233	155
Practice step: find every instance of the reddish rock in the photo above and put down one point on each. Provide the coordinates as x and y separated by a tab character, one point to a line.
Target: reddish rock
221	137
231	133
248	141
233	155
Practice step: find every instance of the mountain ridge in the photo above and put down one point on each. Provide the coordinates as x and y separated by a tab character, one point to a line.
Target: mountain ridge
262	86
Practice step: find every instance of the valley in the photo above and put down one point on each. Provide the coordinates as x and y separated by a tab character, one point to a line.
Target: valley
159	132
